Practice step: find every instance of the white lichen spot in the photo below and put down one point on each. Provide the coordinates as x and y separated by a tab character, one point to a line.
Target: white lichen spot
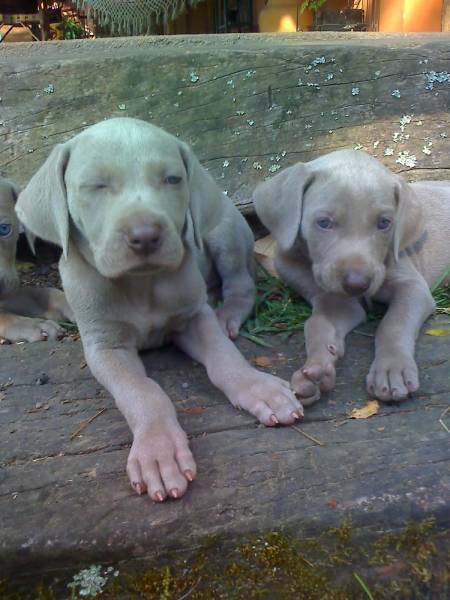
443	134
289	112
274	168
179	93
194	77
257	165
250	73
419	123
397	137
330	76
300	82
176	104
406	159
396	93
250	122
377	73
49	89
244	160
426	150
240	112
376	144
308	126
434	77
405	120
358	147
226	163
330	131
122	107
355	91
283	154
389	152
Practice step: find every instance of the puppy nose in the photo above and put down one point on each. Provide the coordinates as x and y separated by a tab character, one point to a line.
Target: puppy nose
356	282
144	239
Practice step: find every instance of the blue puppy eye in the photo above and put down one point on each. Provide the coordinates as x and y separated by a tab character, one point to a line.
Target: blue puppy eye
325	223
5	229
384	223
172	179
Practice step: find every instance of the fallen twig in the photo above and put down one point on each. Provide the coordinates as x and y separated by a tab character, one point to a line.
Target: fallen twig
189	592
84	424
310	437
441	419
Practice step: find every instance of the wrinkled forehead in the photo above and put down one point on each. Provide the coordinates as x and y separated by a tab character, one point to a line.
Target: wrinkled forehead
6	198
347	188
122	149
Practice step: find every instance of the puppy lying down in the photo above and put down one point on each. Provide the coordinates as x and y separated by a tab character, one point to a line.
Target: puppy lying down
347	230
26	313
142	226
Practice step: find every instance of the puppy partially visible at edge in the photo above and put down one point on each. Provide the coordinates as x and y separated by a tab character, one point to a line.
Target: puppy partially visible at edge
26	313
348	229
142	225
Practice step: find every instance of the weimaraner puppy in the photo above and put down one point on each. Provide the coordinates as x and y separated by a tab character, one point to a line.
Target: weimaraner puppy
139	221
347	230
26	313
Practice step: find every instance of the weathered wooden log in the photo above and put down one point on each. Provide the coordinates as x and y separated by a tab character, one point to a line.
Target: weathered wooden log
65	500
248	104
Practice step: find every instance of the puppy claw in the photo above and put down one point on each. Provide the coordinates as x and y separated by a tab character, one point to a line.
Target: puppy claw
174	493
159	496
188	474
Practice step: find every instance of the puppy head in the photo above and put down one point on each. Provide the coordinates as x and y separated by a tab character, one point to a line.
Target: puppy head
349	210
9	233
125	187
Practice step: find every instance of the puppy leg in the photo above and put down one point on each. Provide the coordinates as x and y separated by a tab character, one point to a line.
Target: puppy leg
333	317
160	461
231	246
16	328
267	397
393	374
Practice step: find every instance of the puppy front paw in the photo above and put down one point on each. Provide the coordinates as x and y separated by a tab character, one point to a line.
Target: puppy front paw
315	376
160	461
28	329
269	398
393	377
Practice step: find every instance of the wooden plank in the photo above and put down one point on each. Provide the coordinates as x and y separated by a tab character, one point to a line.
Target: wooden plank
236	98
65	501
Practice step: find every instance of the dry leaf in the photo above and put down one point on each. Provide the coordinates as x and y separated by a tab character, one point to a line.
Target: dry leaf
83	364
264	252
437	332
195	410
368	410
23	267
263	361
380	429
38	407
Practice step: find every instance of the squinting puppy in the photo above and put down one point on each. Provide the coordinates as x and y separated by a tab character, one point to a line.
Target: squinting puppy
139	221
348	229
26	313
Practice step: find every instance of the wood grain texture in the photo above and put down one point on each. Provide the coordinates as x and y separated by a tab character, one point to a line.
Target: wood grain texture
65	501
248	104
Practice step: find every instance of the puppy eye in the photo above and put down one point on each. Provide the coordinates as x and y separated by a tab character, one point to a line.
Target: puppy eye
172	179
5	229
384	223
324	223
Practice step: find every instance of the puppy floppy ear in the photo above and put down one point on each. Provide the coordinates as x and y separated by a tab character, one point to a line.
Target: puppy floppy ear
42	205
279	203
408	225
205	197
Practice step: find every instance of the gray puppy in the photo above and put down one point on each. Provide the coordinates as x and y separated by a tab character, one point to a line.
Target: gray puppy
26	313
347	228
142	225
